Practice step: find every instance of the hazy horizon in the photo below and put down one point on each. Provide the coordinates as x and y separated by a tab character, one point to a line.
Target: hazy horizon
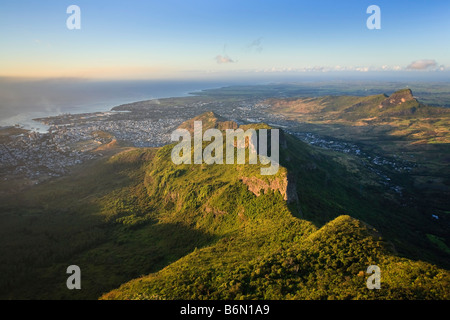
222	39
57	59
23	99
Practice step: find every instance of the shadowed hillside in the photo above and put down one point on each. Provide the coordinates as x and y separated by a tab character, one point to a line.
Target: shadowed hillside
216	232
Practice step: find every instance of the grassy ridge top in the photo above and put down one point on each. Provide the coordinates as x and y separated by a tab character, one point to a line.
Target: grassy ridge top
263	249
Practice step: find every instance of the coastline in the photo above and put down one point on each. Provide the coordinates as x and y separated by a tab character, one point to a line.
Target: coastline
31	120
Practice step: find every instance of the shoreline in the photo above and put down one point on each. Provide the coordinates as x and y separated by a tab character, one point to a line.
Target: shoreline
32	120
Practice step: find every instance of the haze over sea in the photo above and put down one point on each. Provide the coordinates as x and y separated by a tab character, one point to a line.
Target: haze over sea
24	100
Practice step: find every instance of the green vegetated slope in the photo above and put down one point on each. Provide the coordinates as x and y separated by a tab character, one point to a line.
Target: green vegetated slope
264	247
66	221
406	116
214	231
399	127
328	263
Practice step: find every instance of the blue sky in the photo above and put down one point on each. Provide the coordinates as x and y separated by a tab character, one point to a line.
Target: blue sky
200	39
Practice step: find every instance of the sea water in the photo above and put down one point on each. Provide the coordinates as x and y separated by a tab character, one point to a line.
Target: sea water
21	101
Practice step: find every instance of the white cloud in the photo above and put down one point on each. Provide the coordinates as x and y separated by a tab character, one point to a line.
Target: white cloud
362	69
332	69
223	59
424	64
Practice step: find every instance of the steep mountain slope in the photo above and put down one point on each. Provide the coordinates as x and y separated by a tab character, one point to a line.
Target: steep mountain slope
265	248
329	263
414	137
216	231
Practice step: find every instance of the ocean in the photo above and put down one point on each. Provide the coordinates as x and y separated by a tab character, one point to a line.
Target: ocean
21	101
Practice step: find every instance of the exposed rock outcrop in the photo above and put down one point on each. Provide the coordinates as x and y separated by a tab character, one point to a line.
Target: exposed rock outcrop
398	98
284	184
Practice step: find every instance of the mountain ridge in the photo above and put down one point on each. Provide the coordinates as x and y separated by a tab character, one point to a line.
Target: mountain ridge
260	230
210	120
199	231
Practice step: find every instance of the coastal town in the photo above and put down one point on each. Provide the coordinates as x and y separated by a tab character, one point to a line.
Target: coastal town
73	139
37	155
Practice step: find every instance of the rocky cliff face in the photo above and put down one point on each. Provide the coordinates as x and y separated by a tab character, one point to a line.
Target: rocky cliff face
284	184
398	98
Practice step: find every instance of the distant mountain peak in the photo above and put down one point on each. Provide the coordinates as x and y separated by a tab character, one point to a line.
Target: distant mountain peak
209	120
403	91
398	97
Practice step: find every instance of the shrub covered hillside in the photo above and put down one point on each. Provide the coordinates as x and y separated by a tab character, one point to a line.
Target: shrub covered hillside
218	231
328	263
262	246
